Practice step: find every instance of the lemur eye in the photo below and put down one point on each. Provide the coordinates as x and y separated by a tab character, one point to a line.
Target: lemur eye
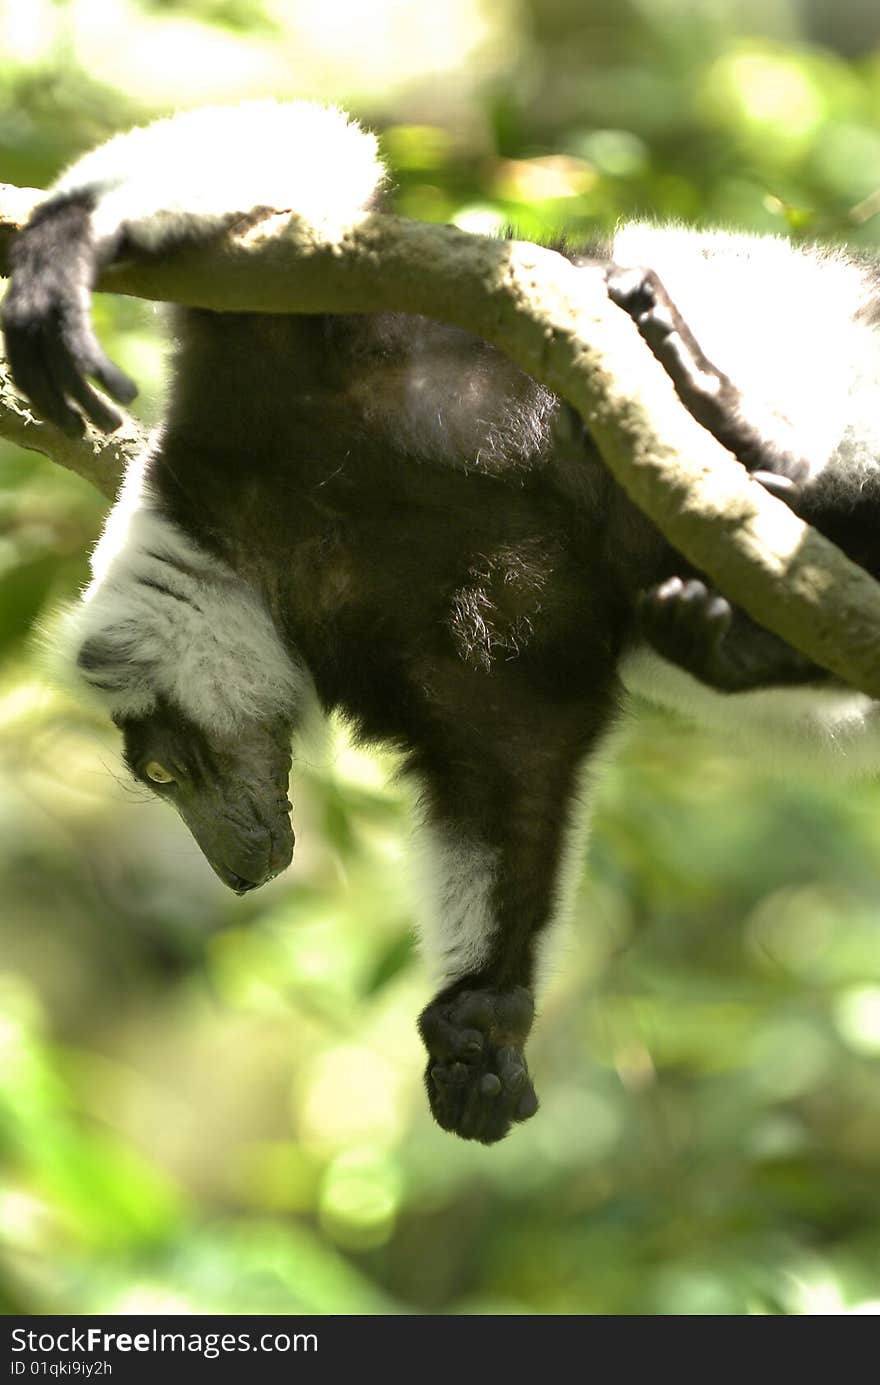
158	773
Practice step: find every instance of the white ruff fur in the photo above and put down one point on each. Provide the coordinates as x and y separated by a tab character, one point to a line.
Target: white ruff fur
204	169
201	637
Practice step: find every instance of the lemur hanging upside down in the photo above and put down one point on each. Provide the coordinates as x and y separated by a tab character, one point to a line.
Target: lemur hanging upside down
384	516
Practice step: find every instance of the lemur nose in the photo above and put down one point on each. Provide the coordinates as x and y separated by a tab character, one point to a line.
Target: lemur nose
240	885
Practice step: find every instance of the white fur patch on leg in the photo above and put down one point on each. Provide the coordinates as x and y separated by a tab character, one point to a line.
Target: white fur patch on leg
455	877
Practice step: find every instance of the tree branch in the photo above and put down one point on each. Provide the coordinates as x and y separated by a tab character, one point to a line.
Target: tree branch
558	324
95	456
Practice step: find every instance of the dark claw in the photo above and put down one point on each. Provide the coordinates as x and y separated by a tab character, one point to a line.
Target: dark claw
528	1105
783	487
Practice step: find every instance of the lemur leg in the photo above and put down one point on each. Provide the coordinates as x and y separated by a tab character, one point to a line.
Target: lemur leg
498	828
696	628
709	395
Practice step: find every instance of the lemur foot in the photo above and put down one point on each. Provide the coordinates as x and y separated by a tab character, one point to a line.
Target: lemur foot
710	396
686	622
694	627
477	1079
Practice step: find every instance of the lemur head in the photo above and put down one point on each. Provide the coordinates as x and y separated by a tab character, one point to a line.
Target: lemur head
184	656
230	790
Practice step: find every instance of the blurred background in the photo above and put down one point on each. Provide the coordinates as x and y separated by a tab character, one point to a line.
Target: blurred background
215	1105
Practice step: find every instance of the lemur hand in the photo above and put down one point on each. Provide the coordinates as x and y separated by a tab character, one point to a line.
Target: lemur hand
709	395
46	316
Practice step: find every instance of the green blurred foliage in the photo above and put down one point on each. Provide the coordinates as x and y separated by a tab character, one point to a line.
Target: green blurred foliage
215	1105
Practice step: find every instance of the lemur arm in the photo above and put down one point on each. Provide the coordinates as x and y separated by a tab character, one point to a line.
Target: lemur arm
707	393
686	621
150	189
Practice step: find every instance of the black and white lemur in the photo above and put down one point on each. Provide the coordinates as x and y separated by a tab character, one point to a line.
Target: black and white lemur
384	516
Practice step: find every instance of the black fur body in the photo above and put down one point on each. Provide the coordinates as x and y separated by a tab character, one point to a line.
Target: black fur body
475	621
423	597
